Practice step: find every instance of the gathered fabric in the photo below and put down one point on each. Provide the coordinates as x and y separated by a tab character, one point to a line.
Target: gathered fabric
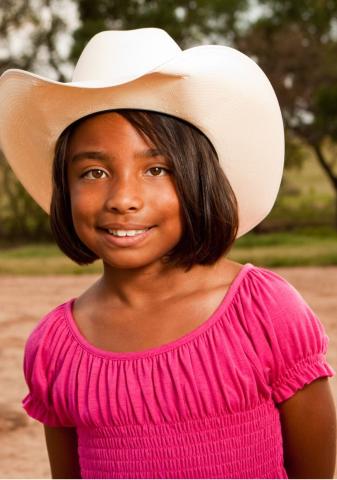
202	406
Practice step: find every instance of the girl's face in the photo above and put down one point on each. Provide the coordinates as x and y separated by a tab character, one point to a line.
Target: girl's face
116	177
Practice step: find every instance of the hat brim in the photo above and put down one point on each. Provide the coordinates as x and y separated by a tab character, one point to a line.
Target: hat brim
218	89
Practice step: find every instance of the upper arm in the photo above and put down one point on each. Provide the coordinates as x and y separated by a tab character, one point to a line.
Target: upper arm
308	422
62	451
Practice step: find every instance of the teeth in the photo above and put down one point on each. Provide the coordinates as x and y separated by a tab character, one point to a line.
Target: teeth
126	233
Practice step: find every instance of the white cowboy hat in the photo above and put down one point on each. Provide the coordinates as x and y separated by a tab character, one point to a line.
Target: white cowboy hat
218	89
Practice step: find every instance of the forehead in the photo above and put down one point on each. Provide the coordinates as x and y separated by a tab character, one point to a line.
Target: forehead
105	129
104	136
99	121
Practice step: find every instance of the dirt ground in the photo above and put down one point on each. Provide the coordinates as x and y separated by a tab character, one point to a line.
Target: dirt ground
25	299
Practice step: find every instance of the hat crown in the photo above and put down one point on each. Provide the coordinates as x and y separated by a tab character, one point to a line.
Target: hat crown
111	56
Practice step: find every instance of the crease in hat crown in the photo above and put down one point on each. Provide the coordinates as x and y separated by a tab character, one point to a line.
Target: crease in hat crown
120	54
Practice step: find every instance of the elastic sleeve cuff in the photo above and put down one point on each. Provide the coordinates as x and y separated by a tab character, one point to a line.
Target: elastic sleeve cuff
37	410
304	372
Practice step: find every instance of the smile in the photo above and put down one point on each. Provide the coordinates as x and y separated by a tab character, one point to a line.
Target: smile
126	238
126	233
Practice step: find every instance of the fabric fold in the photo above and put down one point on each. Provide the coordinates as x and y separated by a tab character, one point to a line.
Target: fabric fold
204	405
302	374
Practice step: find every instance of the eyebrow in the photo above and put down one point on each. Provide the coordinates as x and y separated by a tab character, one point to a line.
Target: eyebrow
96	155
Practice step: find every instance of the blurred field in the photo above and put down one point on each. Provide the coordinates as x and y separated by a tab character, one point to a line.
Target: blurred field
313	247
306	197
295	248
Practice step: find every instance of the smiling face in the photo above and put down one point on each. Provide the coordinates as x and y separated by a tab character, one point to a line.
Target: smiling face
115	177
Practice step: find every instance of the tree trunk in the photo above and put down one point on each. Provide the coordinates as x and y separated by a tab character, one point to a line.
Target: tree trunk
329	172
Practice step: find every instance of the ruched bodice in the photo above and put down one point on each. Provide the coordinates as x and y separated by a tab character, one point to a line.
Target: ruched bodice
202	406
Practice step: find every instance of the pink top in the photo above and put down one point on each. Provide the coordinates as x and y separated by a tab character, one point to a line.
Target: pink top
202	406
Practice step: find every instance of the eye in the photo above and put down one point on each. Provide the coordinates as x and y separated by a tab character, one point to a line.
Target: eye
95	170
155	169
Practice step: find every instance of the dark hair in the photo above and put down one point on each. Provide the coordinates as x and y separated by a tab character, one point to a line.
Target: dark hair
208	203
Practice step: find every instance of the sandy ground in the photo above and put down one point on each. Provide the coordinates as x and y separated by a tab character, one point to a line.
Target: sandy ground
25	299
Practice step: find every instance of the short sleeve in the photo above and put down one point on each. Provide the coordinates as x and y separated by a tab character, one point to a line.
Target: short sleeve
37	367
292	342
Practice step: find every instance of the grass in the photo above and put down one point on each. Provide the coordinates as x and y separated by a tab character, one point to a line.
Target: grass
306	197
301	247
40	259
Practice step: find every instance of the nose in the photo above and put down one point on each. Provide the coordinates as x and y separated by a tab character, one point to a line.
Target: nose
124	194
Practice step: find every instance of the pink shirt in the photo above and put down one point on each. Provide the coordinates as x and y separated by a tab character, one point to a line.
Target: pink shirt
203	406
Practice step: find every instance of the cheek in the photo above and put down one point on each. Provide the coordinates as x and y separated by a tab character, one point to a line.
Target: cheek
82	202
83	214
171	205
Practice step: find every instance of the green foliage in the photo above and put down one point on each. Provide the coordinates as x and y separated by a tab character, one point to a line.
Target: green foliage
316	15
38	24
187	21
295	154
20	216
325	104
295	44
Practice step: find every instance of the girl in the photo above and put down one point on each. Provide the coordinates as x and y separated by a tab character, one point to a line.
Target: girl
176	362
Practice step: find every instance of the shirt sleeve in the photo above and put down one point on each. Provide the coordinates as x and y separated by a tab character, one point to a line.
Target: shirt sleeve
292	342
37	367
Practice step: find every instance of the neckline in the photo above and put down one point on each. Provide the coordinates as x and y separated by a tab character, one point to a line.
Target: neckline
149	352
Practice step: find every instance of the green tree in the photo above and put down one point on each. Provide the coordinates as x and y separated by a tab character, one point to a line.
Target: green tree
187	21
30	31
295	43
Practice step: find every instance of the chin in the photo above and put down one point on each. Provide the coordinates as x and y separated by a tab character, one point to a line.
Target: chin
131	263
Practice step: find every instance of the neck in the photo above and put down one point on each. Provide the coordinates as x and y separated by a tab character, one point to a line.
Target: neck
139	287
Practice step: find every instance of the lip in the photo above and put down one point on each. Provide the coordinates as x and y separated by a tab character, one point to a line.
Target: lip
126	241
121	226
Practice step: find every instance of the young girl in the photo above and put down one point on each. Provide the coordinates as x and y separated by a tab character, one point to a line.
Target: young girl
177	362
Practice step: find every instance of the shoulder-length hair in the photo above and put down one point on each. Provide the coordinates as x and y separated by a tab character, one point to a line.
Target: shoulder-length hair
209	206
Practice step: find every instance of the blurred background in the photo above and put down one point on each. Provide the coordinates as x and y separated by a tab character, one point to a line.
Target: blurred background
295	43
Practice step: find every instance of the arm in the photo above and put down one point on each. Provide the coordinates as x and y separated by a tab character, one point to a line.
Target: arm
308	422
62	451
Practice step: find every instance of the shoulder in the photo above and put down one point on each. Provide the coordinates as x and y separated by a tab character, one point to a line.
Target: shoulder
43	334
43	343
277	295
270	281
279	308
287	335
41	357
